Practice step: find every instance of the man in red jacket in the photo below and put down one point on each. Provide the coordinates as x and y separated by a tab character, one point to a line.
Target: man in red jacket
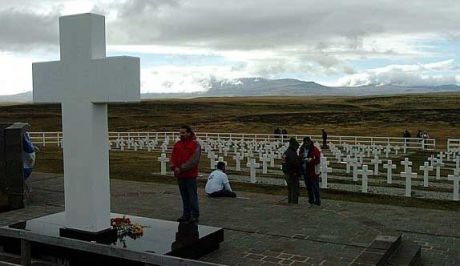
185	158
311	157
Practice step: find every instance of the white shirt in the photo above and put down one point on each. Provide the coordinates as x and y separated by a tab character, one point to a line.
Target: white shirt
217	180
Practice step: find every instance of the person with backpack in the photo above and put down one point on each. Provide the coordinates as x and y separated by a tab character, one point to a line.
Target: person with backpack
28	155
310	157
291	169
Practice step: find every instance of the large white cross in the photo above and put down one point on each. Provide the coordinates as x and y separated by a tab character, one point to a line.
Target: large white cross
83	82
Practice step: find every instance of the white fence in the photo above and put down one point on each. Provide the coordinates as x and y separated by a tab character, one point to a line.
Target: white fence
46	138
453	145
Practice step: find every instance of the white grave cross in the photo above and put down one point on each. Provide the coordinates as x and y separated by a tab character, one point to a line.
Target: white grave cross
456	178
84	81
406	164
163	160
364	173
252	167
408	175
264	159
389	166
324	170
376	163
426	167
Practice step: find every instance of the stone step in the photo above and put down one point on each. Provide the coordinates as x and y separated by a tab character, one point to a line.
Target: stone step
379	250
406	254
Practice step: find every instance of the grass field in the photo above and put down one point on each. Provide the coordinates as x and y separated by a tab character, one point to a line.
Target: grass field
143	166
438	114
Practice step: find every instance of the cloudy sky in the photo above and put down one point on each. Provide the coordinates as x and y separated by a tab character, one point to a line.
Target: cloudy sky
184	44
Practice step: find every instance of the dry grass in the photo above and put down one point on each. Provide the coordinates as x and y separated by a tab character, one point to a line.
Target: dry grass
439	114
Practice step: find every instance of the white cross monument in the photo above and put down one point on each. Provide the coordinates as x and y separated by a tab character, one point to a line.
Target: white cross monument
83	82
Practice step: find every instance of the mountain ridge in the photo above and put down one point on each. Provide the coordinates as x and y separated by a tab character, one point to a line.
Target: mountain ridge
249	87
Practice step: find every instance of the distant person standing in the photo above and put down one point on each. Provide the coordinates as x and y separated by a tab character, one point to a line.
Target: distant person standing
291	169
185	158
311	156
324	135
277	132
284	133
406	136
218	184
425	137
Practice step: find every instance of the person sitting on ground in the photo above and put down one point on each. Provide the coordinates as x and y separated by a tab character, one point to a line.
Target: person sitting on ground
218	184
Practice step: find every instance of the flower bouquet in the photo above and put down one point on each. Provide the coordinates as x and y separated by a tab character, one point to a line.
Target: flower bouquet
126	228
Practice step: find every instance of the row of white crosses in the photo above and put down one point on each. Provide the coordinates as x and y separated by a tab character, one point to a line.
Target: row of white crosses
269	154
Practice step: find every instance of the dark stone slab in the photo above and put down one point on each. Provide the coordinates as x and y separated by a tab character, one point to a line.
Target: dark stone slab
379	250
11	165
406	254
159	237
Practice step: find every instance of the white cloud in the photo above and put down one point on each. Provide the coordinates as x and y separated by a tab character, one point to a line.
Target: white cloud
15	74
431	74
306	39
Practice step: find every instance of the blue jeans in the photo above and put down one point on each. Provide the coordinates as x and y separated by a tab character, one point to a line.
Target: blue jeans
312	185
27	172
189	196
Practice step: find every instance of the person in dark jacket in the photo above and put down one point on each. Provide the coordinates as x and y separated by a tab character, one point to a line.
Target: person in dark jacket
185	157
324	135
310	157
291	169
277	133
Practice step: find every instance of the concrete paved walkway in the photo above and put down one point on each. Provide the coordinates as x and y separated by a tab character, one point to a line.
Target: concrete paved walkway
264	230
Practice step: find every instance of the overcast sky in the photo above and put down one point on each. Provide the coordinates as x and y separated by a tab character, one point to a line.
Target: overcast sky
183	44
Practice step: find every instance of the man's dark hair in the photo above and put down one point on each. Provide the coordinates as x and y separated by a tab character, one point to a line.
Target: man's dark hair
220	165
307	139
188	129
